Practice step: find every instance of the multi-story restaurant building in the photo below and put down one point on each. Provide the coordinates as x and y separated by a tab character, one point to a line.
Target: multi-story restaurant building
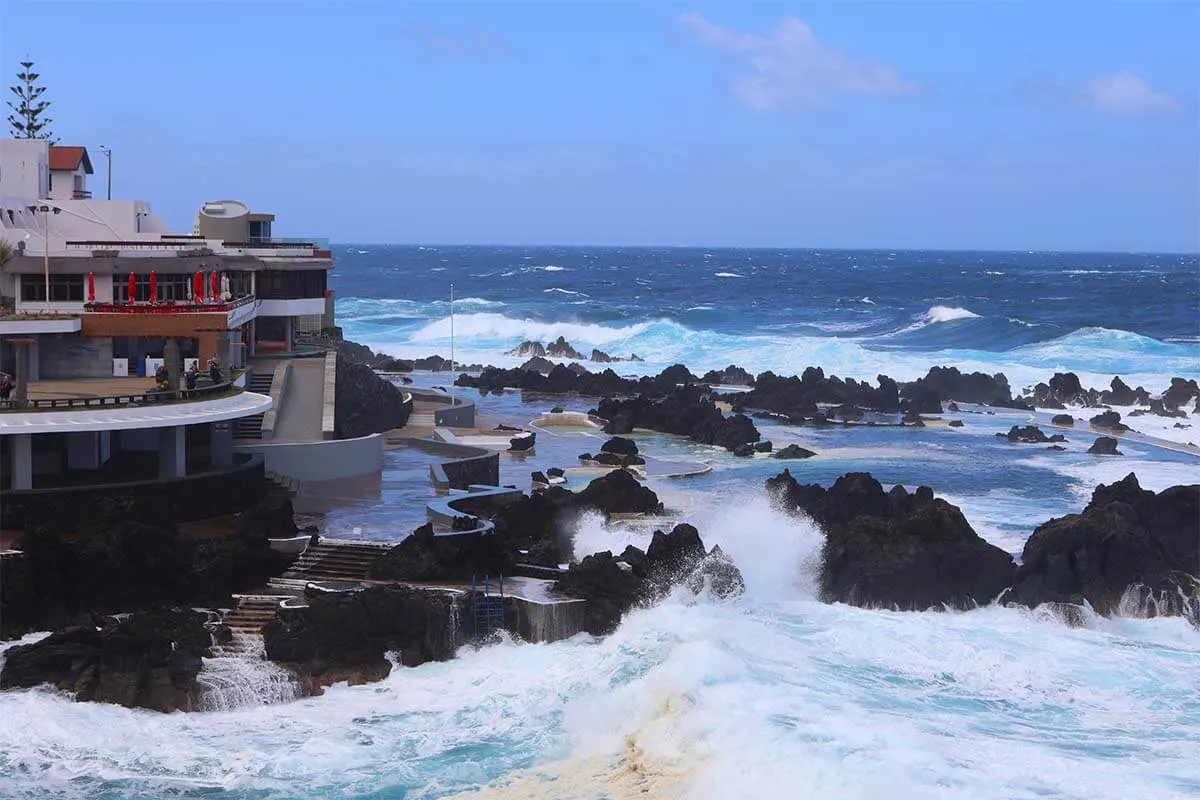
99	286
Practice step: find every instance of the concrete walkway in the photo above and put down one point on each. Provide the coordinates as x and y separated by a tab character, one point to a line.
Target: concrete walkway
300	416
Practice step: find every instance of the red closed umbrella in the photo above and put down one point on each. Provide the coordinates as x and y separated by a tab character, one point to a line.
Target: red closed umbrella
132	288
198	287
215	291
91	287
153	288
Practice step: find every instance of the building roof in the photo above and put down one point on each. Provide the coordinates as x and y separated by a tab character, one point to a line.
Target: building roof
69	158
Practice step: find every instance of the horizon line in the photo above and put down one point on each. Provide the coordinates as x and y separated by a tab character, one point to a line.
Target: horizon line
808	248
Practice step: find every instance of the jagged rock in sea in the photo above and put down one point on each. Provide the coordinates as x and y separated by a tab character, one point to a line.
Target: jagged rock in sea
618	492
522	443
425	556
149	659
1157	407
1104	446
1128	546
1030	434
732	375
344	636
366	403
685	411
528	348
621	446
561	348
892	549
948	383
793	451
1063	419
538	364
434	363
601	357
796	397
1180	392
614	585
1064	389
912	419
955	423
1109	420
1119	394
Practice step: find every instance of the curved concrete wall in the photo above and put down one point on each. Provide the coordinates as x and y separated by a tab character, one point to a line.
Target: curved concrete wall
326	460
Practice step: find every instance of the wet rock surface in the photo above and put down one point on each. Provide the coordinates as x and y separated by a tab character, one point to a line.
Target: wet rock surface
892	549
1127	539
146	660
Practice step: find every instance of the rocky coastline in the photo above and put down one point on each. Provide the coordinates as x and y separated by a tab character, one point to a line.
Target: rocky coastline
120	591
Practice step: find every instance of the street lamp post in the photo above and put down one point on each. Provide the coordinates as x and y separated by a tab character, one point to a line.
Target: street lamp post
108	155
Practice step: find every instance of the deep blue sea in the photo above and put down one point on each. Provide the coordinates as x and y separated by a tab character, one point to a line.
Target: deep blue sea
775	694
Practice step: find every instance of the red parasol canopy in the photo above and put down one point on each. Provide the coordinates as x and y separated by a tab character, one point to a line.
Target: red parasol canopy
198	287
132	288
153	288
91	287
216	292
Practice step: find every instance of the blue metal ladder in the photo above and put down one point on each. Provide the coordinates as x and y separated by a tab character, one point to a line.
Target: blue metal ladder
488	606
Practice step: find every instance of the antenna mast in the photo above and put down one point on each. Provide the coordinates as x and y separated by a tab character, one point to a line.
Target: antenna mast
452	369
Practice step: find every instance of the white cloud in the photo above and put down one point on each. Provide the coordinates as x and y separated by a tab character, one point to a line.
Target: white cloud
444	44
1123	93
791	69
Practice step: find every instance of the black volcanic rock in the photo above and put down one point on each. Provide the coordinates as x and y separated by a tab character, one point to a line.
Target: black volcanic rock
1180	392
528	348
797	397
1063	419
146	660
345	636
425	556
366	403
793	451
1063	390
614	585
1109	420
894	549
1119	394
620	446
538	364
730	376
947	383
685	411
1104	446
1127	539
1030	434
618	492
561	348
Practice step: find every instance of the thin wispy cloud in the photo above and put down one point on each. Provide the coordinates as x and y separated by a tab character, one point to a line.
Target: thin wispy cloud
791	70
473	44
1123	93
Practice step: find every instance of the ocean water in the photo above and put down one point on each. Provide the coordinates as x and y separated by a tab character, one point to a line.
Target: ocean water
774	694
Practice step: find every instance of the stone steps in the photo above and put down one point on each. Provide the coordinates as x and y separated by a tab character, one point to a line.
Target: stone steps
252	613
336	561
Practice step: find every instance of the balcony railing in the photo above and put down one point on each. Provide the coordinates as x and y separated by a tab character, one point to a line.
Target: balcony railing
81	194
169	306
282	242
211	391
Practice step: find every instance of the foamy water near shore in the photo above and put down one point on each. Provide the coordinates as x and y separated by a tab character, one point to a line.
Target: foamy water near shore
774	693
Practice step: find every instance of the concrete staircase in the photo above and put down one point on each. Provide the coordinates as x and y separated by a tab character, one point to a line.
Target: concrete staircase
251	427
252	613
336	560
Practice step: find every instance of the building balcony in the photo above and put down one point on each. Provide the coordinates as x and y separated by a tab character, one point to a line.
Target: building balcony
170	306
81	194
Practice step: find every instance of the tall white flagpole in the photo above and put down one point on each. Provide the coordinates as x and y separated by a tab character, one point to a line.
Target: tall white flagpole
452	345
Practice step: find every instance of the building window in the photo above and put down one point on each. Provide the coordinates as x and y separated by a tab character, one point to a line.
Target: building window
169	287
63	288
259	231
291	285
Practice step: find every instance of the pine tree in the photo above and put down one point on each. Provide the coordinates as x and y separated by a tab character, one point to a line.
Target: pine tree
27	122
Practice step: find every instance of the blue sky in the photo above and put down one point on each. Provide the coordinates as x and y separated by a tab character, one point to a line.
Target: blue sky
1001	125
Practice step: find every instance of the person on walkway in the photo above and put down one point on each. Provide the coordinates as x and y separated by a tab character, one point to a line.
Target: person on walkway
6	386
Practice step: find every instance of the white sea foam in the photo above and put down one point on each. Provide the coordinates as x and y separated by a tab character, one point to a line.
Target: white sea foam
557	290
727	275
947	314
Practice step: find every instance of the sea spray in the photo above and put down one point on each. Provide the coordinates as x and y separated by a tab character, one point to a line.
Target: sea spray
238	675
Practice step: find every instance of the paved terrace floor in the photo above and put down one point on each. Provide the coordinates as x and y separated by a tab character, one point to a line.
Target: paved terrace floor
88	387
